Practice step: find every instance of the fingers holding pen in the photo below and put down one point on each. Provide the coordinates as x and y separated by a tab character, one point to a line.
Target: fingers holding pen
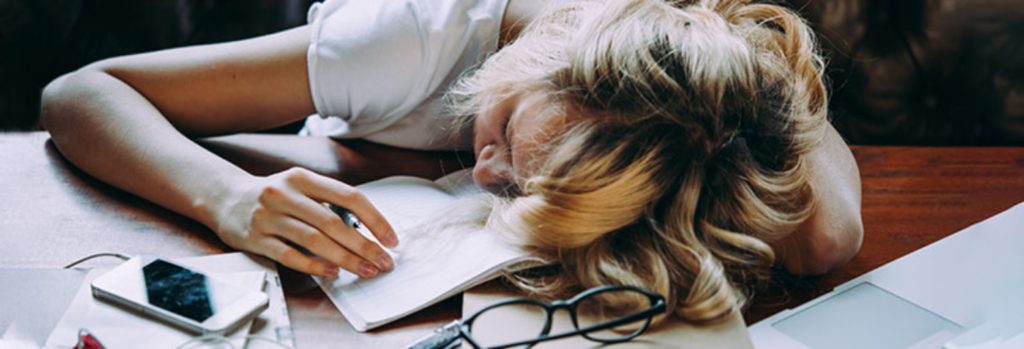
326	189
303	234
281	215
293	258
334	240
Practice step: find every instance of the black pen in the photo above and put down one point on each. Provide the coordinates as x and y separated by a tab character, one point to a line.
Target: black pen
347	216
351	220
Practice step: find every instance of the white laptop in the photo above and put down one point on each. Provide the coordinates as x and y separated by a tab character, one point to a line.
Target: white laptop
964	291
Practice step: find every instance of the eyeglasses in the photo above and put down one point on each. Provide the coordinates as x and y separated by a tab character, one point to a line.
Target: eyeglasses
597	314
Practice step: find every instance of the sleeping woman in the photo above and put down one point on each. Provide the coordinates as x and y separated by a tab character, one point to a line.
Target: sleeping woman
682	146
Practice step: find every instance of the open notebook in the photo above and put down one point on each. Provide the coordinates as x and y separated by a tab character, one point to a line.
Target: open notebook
430	264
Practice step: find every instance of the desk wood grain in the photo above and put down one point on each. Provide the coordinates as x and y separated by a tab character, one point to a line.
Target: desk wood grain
912	197
51	214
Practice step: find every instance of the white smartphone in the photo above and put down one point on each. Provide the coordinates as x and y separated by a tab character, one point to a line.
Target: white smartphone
178	295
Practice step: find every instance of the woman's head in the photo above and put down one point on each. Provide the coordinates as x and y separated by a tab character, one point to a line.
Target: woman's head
653	143
511	134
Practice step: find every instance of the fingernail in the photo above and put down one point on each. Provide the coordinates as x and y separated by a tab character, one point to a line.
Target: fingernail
329	270
385	262
392	239
366	270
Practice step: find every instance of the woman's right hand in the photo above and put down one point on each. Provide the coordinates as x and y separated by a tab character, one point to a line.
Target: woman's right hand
132	122
264	214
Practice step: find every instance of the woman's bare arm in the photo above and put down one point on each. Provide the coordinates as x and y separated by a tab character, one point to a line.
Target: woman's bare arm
130	121
833	233
351	161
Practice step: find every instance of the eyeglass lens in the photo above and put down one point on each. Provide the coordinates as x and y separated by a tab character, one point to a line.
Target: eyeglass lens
609	306
508	324
504	324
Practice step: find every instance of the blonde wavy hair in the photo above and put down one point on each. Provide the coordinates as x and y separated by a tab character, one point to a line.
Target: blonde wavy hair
691	154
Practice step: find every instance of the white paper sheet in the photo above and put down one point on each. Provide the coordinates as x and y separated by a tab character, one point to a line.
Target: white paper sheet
272	324
117	328
430	264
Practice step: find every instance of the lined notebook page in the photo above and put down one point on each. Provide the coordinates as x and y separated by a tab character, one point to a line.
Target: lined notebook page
429	266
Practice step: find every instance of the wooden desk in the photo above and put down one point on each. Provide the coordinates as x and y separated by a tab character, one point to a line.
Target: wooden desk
912	196
51	214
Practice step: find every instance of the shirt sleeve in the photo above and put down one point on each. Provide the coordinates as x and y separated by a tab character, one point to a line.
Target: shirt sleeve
371	62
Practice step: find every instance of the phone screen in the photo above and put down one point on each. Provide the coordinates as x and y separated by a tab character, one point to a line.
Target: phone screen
178	290
171	287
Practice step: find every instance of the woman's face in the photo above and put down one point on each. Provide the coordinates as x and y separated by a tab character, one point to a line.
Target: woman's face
509	140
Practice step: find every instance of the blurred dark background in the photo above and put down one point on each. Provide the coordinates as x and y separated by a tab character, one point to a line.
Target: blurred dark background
920	72
43	39
924	72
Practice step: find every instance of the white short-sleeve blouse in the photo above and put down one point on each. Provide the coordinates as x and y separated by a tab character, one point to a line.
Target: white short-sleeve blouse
379	68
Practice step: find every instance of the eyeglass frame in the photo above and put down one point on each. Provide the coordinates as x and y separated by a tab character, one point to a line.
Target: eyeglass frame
657	306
